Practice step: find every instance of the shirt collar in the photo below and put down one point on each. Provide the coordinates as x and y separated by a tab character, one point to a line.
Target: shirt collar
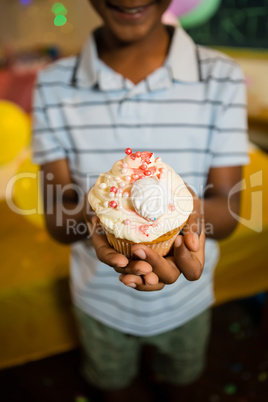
183	59
182	64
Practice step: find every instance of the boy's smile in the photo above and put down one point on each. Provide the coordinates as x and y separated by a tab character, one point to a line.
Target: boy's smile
131	11
130	20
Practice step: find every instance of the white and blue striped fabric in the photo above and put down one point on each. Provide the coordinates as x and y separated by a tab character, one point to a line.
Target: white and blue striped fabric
191	112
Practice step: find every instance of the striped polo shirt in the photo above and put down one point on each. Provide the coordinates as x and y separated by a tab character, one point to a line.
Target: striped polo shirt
191	112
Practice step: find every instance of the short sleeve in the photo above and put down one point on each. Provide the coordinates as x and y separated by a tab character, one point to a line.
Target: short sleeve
46	146
230	140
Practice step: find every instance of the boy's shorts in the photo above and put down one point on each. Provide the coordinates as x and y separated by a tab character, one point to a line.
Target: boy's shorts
111	358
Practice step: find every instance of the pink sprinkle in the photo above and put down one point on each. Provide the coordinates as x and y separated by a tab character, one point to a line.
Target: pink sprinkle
125	165
127	222
113	204
138	154
147	173
132	157
120	190
113	189
144	229
158	159
128	151
162	170
171	207
135	176
143	166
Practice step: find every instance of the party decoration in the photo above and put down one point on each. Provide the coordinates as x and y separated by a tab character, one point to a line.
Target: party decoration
168	18
60	12
180	7
15	131
27	194
230	389
200	14
60	20
59	9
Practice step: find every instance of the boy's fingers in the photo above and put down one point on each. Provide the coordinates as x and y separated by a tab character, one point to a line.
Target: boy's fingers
192	230
140	282
104	252
138	267
166	271
190	264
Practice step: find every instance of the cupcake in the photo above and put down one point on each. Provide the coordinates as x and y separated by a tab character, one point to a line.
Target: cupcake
141	200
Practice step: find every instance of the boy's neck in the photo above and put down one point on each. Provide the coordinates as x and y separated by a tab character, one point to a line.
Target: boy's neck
134	60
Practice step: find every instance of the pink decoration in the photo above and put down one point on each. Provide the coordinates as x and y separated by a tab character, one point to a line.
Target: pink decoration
158	159
162	170
138	154
135	176
143	166
127	222
125	165
169	18
113	189
144	229
171	207
181	7
147	173
152	170
113	204
146	157
128	151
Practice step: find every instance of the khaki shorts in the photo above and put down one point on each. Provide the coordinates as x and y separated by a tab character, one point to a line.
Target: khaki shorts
111	358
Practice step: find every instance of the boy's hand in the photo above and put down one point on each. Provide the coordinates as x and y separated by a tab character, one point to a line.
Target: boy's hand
188	257
151	272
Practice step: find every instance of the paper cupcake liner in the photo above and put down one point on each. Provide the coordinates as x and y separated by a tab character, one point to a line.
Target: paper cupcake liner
162	248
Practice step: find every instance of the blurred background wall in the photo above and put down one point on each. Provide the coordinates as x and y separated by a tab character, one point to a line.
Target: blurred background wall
27	24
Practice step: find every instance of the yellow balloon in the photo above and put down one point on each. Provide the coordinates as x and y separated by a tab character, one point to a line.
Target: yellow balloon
15	129
27	195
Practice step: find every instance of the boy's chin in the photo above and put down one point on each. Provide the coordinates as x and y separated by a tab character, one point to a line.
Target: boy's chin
131	34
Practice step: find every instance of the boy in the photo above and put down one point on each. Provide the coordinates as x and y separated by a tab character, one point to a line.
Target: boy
140	84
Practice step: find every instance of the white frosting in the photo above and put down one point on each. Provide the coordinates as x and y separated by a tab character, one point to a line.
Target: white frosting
150	198
144	202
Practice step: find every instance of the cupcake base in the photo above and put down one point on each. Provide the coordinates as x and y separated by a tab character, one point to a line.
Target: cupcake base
161	245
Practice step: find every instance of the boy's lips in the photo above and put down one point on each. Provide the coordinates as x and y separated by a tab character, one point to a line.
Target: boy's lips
126	9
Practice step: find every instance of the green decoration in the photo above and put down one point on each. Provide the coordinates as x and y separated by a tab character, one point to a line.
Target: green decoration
200	14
